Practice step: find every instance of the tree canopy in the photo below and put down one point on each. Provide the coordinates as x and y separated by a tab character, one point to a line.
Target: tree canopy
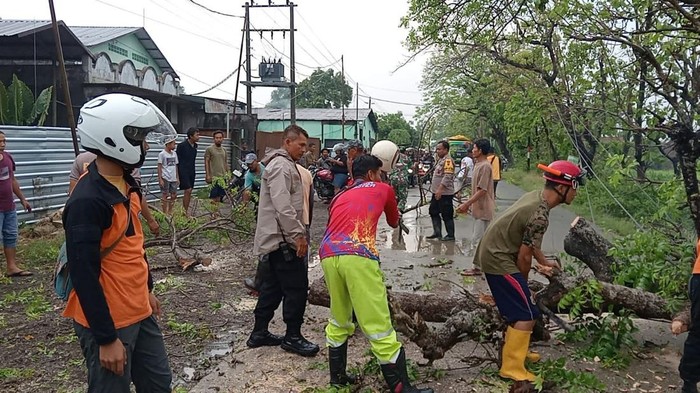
396	128
322	89
614	83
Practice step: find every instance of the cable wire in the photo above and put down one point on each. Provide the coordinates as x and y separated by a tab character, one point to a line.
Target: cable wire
215	11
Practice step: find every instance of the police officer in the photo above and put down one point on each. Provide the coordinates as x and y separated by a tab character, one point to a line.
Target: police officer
442	187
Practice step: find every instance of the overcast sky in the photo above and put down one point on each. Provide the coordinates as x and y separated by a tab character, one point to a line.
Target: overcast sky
203	47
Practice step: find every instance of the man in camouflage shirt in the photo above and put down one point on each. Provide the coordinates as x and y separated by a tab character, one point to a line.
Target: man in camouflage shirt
443	189
398	179
505	255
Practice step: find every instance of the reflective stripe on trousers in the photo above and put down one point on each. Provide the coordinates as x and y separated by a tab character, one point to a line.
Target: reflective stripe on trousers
356	283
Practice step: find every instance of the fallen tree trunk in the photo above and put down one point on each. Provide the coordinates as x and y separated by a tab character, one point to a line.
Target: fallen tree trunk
431	307
584	243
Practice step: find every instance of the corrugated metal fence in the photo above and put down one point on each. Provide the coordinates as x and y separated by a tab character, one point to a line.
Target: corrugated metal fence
44	156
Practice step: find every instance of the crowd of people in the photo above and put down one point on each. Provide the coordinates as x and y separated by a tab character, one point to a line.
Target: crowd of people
113	307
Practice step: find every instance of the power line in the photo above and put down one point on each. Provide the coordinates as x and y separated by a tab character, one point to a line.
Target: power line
220	83
179	28
389	101
215	11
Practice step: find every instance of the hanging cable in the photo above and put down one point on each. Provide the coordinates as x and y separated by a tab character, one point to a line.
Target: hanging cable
215	11
578	151
220	83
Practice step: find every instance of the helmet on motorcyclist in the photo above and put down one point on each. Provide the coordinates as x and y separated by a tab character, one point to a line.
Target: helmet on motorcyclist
388	153
115	126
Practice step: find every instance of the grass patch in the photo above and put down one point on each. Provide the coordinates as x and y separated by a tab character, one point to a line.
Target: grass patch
33	299
16	373
530	181
39	252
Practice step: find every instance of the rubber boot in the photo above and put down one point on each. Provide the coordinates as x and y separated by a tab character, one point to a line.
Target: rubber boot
450	228
534	357
689	387
437	228
337	364
396	376
514	353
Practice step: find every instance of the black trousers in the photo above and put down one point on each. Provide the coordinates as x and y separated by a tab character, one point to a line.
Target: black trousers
442	207
286	282
690	362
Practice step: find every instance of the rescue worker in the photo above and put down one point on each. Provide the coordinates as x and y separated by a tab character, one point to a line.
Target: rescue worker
399	180
443	189
353	149
505	256
350	263
111	304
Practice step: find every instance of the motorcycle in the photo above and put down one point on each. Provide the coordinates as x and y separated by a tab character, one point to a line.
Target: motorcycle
323	183
425	171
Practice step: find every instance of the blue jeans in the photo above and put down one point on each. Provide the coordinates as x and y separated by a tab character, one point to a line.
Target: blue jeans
8	223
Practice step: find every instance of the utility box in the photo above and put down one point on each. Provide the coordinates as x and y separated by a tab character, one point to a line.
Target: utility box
271	72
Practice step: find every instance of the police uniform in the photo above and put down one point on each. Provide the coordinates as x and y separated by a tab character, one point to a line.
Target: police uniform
443	175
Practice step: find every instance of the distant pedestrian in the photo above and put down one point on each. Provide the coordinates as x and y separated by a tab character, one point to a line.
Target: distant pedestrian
9	187
187	157
495	162
339	167
481	202
253	177
215	166
168	177
111	304
308	157
281	244
443	189
323	161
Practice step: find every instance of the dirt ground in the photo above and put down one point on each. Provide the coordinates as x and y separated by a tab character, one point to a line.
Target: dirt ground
208	315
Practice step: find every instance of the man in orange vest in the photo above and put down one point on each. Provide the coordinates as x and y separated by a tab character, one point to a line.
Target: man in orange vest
111	304
690	362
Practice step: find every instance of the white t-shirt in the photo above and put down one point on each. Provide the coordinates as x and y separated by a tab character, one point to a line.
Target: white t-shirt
466	167
169	162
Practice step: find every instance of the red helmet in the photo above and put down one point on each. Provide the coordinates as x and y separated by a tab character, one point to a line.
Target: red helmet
564	172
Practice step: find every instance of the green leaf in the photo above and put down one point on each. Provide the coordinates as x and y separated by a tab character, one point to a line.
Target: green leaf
20	102
40	108
3	103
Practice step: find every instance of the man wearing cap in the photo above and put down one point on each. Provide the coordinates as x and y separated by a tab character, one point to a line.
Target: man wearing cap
168	177
339	167
505	255
252	176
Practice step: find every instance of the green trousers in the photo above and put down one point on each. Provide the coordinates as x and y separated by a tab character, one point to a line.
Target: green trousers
356	283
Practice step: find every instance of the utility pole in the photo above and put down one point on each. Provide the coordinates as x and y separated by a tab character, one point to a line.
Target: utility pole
357	108
64	78
292	66
291	84
342	104
249	87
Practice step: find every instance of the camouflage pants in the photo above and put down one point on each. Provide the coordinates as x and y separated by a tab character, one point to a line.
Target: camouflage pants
401	191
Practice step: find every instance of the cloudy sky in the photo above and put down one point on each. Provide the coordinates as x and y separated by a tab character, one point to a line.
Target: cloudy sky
203	46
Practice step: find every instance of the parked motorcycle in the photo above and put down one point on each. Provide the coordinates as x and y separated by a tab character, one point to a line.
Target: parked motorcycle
323	183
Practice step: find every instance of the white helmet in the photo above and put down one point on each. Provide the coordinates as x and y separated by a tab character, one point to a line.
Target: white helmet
116	125
388	152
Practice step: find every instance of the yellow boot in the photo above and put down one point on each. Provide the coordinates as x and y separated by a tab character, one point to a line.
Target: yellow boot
534	357
514	353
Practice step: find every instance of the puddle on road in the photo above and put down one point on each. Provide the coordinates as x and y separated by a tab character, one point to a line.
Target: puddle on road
221	347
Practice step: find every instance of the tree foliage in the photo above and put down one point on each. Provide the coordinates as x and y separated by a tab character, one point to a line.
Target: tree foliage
390	122
576	77
322	89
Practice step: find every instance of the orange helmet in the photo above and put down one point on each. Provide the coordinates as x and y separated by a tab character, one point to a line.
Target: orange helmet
564	172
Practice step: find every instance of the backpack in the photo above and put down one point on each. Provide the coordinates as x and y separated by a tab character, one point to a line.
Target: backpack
62	283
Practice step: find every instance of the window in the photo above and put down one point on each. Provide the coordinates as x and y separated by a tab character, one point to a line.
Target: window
139	58
117	49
